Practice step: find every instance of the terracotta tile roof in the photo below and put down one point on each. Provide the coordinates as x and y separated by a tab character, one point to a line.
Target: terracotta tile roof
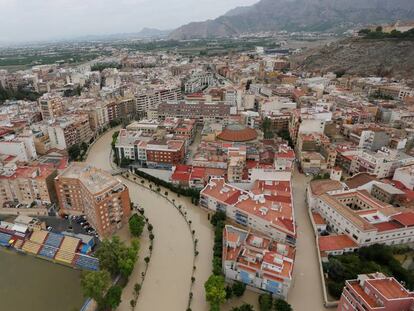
389	288
270	201
322	186
317	219
232	133
406	219
335	242
359	180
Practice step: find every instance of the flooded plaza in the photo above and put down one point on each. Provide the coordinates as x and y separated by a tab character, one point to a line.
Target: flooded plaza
30	283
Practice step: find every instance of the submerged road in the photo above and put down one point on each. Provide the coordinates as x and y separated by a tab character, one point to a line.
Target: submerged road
306	292
168	279
167	283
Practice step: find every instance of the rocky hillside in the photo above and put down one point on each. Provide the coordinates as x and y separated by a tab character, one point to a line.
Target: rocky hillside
296	15
364	57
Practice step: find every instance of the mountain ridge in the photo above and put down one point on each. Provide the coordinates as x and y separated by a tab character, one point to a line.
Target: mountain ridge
298	15
360	57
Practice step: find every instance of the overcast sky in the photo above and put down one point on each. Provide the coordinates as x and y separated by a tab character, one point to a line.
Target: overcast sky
27	20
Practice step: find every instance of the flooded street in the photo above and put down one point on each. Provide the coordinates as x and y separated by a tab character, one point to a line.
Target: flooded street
29	283
306	292
168	278
169	274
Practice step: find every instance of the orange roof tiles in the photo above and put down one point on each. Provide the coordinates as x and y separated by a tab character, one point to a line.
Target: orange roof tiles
389	288
254	258
270	201
317	219
360	291
321	186
406	219
335	242
237	134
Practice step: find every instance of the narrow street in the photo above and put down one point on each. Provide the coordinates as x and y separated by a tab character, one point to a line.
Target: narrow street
306	292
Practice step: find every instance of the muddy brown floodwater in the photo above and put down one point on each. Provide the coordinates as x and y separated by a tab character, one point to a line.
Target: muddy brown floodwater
168	280
30	283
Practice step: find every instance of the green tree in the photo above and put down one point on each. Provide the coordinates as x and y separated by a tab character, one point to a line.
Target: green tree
136	225
74	152
218	216
335	288
126	266
238	288
281	305
243	307
229	292
117	258
113	297
215	291
217	265
284	134
94	284
265	302
267	128
108	254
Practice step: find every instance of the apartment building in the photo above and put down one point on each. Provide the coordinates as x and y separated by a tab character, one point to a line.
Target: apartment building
83	189
68	131
236	163
26	184
150	98
267	207
382	163
51	106
365	219
375	292
165	154
373	140
21	146
146	126
405	175
199	81
121	109
200	111
308	120
257	261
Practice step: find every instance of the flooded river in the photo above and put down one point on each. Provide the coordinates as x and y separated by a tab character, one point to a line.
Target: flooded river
29	283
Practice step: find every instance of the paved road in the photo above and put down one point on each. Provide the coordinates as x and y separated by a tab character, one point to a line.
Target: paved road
306	292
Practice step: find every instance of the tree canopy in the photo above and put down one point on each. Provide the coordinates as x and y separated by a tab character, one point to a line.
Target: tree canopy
94	285
136	225
215	291
116	257
113	297
281	305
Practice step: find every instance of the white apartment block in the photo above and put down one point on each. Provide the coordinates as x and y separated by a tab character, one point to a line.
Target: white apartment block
21	146
267	207
149	99
257	261
382	163
364	219
405	175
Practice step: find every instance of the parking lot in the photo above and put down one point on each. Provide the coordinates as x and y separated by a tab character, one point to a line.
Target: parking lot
59	224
